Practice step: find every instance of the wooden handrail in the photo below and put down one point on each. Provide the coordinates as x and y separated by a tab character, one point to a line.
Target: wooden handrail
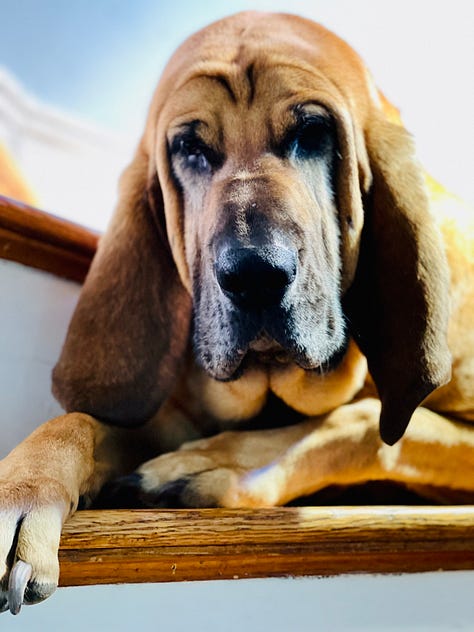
130	546
41	240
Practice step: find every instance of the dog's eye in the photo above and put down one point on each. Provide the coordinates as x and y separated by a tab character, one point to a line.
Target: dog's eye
193	154
312	137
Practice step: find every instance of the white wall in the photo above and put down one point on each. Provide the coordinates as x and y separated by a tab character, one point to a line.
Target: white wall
35	312
431	602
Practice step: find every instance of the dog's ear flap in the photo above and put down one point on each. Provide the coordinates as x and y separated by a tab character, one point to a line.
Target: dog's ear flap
398	304
129	332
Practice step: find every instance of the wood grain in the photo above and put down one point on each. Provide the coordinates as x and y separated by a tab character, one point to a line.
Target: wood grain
43	241
107	547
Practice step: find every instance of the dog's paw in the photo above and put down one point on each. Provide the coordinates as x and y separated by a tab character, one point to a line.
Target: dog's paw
206	473
176	480
30	529
231	469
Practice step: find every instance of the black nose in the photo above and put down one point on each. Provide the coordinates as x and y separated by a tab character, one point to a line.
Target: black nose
253	277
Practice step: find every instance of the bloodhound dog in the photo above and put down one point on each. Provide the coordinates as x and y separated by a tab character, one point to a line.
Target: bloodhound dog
280	291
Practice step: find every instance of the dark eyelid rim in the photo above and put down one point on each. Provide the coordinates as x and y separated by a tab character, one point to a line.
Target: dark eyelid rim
305	117
310	109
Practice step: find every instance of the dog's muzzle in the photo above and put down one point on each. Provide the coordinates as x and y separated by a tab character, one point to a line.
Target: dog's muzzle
262	305
255	278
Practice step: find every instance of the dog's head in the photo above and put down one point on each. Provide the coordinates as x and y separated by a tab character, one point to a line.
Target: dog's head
272	210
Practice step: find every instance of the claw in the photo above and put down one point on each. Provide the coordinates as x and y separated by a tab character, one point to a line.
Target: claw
19	578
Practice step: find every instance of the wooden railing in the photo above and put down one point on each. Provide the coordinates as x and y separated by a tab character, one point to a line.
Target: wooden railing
172	545
40	240
108	547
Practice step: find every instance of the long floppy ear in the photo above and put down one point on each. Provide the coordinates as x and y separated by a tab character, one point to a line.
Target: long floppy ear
130	329
398	305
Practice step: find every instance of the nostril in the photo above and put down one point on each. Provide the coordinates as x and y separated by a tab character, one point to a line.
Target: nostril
280	278
238	281
255	276
230	281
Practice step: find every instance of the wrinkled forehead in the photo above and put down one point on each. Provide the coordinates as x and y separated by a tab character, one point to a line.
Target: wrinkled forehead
261	59
259	100
241	38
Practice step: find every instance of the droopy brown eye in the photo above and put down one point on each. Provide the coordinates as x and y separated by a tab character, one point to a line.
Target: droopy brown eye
311	137
194	154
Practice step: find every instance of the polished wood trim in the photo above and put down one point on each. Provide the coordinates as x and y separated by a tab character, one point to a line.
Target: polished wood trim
109	547
40	240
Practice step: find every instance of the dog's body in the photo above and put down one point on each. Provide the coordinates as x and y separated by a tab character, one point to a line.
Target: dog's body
272	218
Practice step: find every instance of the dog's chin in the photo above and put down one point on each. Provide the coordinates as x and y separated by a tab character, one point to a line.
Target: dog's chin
265	352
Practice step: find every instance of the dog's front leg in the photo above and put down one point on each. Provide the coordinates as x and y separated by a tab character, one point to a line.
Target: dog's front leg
435	458
272	467
41	483
259	468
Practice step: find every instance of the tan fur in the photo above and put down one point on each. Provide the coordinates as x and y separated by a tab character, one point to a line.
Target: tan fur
407	266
